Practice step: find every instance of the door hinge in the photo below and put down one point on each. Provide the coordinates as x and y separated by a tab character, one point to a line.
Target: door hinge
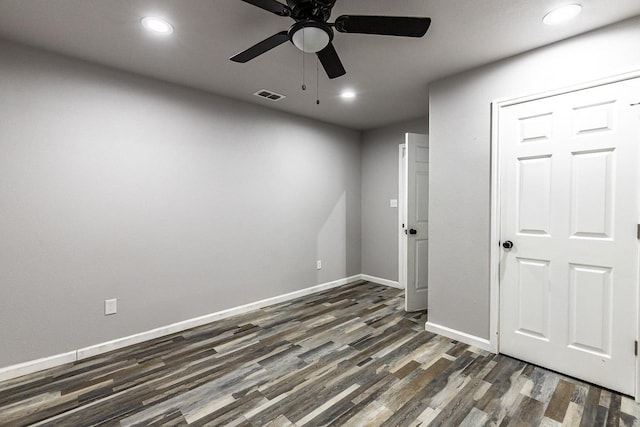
638	231
636	348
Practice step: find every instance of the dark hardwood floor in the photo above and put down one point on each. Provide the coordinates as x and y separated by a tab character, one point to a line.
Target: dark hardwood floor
348	356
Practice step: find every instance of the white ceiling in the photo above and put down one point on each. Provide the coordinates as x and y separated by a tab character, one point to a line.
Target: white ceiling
390	74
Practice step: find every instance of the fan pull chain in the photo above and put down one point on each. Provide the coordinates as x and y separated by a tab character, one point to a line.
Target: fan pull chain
317	81
304	86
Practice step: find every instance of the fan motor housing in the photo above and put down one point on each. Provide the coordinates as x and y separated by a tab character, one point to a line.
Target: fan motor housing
316	10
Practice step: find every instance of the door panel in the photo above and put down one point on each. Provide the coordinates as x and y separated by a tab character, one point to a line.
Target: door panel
590	309
534	195
533	298
568	191
592	194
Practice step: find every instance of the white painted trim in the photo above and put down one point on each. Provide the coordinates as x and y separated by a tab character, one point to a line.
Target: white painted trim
494	267
30	367
464	337
381	281
402	207
494	238
638	299
638	330
567	89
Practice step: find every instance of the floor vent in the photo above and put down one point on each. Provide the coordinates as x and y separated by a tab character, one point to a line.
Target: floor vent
267	94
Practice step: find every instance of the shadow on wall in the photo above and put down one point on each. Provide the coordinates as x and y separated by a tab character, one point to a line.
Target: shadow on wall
331	243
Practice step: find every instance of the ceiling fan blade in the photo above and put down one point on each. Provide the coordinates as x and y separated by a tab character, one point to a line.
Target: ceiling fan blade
270	6
260	48
384	25
331	62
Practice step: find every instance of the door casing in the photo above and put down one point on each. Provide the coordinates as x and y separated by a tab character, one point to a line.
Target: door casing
494	256
402	217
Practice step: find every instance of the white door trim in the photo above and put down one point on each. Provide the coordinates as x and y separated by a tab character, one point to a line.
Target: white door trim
494	255
402	217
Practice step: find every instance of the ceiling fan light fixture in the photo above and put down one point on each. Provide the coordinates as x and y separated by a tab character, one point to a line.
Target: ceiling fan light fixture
310	39
157	25
562	14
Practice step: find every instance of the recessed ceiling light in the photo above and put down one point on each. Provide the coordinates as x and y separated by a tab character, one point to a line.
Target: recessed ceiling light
562	14
157	25
348	94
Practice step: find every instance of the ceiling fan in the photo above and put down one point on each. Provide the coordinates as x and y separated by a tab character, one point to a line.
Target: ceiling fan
312	33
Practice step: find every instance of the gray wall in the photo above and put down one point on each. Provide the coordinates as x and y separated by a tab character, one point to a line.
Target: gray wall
379	185
459	135
176	202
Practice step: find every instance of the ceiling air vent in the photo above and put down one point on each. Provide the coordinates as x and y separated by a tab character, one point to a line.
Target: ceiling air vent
267	94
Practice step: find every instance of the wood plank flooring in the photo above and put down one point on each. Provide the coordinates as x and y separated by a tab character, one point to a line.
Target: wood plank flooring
348	356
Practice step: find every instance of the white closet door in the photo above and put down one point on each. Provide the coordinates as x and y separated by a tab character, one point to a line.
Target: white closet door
569	189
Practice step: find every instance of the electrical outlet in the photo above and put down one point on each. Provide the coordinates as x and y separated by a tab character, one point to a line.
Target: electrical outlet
319	264
393	203
110	306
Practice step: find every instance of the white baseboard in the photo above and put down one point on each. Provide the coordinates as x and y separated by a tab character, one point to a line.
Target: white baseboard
32	366
381	281
464	337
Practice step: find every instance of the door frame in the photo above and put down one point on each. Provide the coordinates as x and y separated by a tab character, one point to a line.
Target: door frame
402	217
495	222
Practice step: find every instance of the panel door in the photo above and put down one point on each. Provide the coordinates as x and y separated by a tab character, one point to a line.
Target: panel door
569	190
416	228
